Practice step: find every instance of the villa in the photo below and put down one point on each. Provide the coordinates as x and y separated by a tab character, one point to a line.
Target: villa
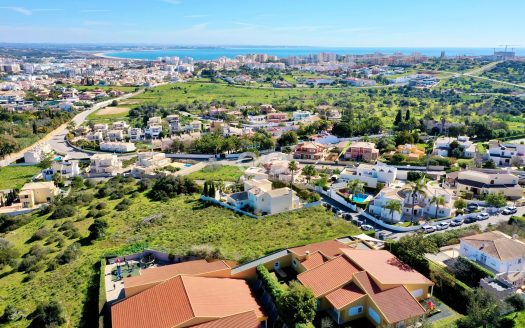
496	250
277	117
443	146
105	164
115	135
259	196
480	183
37	153
36	193
362	151
120	125
412	152
419	207
64	167
370	175
117	147
506	154
148	163
135	134
310	150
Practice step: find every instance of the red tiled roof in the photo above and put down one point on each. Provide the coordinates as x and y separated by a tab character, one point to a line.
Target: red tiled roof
343	296
177	301
163	273
330	248
244	320
314	260
396	304
328	276
385	267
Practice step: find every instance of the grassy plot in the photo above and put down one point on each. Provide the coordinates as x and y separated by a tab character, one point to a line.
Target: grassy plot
218	173
184	221
16	176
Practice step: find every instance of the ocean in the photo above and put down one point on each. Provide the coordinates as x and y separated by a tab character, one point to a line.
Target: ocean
210	53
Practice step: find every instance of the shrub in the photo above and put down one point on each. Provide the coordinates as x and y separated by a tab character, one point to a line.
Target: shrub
69	230
10	223
415	175
63	212
170	186
8	254
11	314
516	301
207	252
496	200
49	314
272	285
101	206
40	234
297	306
71	253
469	272
98	229
123	205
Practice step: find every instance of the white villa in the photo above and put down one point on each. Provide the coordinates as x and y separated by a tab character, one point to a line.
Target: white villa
105	164
148	162
422	207
259	196
370	175
65	167
442	146
496	250
37	153
301	115
488	183
117	147
504	154
135	134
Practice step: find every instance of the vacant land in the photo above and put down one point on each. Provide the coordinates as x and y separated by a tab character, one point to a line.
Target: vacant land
103	87
183	222
16	176
112	111
218	173
508	71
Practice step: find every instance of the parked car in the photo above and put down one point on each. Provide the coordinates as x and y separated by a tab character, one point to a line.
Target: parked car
456	222
470	219
367	227
483	216
472	206
428	229
340	213
357	222
442	225
510	210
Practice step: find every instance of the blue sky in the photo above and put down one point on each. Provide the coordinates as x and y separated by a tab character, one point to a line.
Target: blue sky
338	23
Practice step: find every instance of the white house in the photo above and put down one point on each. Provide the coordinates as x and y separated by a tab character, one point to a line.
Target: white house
120	125
115	135
301	115
37	153
153	131
495	250
135	134
480	183
105	164
117	147
442	146
66	168
371	175
148	162
506	154
100	127
259	196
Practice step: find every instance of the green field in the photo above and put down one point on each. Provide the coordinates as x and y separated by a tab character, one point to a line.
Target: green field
218	173
518	317
16	176
107	88
185	221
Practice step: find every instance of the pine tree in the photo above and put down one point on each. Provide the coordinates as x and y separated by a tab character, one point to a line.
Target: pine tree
399	118
407	115
35	128
205	192
212	190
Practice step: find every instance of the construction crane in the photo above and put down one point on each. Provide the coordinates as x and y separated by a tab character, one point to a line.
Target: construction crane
506	47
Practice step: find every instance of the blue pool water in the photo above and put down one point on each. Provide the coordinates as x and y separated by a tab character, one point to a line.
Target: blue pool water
58	158
359	198
187	165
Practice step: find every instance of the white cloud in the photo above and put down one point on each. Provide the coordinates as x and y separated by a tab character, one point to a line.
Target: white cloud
20	10
95	11
96	23
172	2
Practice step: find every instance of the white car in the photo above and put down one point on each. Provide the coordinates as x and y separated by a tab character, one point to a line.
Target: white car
367	227
483	216
428	229
510	210
442	226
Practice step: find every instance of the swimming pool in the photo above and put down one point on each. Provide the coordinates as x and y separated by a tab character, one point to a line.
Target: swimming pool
360	198
58	158
187	165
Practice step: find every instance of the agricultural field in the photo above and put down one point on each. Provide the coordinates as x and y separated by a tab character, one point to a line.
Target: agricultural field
109	114
103	87
16	176
218	173
182	222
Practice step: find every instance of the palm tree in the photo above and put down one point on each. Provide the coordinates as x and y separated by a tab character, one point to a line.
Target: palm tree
438	201
393	206
293	167
416	188
309	171
356	187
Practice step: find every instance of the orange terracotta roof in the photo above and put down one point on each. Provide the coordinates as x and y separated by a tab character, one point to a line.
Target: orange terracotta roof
330	248
244	320
385	267
343	296
314	260
177	301
163	273
396	304
328	276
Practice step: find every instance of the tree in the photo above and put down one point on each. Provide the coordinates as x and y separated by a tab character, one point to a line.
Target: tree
98	229
8	254
48	315
417	188
293	167
355	187
481	308
407	116
8	144
393	206
489	164
516	301
516	161
460	204
496	199
287	139
309	171
399	118
438	201
46	162
35	128
298	305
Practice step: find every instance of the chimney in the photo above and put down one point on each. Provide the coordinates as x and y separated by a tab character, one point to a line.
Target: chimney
307	254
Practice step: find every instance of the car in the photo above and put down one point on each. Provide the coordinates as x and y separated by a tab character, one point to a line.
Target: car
470	219
428	229
340	213
456	222
510	210
482	216
357	222
367	227
442	225
472	207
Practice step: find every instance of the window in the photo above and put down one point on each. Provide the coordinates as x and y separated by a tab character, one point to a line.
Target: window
356	310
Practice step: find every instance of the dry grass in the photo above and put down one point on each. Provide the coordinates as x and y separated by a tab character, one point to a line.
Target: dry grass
112	111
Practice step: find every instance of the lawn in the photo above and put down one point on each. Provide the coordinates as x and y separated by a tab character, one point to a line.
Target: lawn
518	317
218	173
185	222
16	176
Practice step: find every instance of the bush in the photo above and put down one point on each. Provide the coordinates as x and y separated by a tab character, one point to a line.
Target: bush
123	205
11	314
469	272
101	206
8	254
48	315
207	252
516	301
170	186
10	223
63	212
270	282
496	200
71	253
297	306
415	175
40	234
98	229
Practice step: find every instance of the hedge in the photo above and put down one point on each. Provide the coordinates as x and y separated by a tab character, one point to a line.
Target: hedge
102	295
273	286
449	289
473	272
